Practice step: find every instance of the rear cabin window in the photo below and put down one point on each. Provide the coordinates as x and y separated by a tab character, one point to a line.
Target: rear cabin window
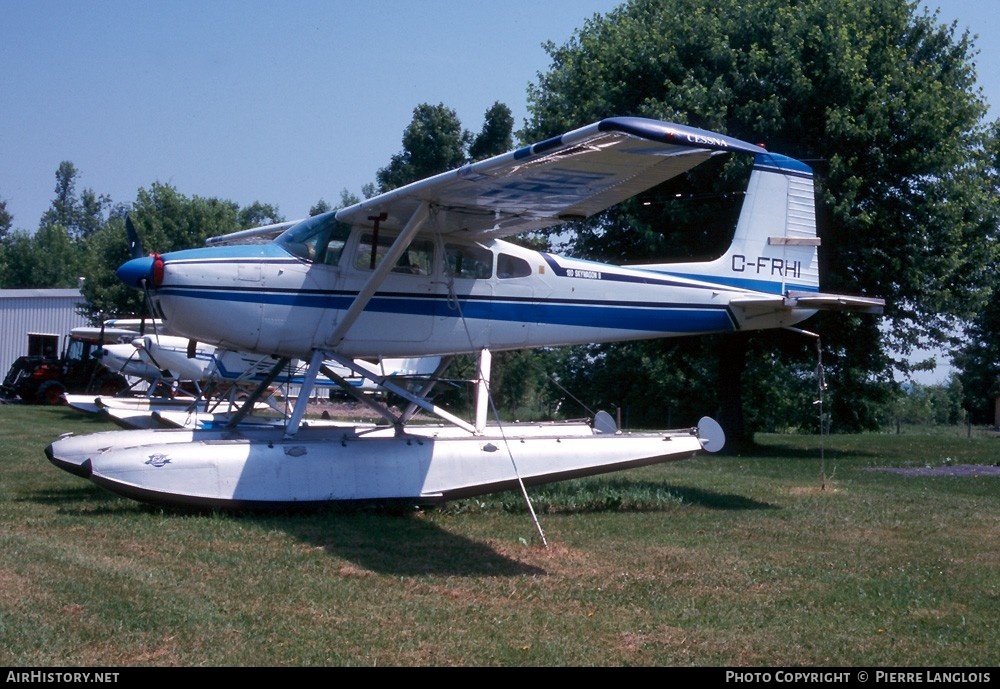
512	267
463	261
418	259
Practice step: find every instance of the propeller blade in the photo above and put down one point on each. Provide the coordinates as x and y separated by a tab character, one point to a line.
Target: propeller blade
136	251
134	242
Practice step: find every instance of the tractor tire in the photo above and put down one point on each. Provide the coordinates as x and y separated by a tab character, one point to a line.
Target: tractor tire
111	385
51	392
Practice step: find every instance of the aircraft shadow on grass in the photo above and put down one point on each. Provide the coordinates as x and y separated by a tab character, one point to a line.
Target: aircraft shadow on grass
408	547
378	540
386	541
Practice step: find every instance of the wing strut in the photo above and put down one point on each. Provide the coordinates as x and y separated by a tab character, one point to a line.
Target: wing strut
414	224
416	399
249	404
305	390
379	409
483	388
425	390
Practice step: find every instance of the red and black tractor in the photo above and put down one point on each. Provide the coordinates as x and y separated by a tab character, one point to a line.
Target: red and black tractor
37	379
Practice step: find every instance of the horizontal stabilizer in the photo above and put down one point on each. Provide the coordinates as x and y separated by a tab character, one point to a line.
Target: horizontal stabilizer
755	312
813	301
835	302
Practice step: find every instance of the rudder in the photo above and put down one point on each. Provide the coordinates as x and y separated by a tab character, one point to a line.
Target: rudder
775	245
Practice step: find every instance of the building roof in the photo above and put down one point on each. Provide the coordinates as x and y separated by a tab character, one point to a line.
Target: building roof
25	293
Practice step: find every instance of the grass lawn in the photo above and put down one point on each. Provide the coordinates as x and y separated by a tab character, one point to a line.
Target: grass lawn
807	553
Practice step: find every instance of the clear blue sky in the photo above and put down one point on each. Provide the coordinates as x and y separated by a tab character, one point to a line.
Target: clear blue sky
285	102
279	102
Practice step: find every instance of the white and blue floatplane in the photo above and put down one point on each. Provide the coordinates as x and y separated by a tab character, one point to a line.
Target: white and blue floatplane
424	271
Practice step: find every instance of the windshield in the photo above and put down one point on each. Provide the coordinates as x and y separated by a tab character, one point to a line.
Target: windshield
319	239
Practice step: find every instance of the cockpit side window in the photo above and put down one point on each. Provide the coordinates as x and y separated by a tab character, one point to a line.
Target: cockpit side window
335	244
512	267
465	261
319	239
418	259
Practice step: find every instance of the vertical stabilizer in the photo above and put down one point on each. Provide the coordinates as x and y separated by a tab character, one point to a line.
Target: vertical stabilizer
775	246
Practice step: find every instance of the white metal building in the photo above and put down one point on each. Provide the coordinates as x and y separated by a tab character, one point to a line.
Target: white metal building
34	321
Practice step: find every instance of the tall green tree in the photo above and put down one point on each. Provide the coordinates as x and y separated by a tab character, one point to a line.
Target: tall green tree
6	219
6	222
880	96
81	215
322	206
104	294
56	260
978	365
977	356
433	142
169	221
63	209
258	214
18	261
52	256
91	214
497	134
46	259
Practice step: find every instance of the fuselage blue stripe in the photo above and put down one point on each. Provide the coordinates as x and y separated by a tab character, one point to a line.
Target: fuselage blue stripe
619	315
747	284
647	276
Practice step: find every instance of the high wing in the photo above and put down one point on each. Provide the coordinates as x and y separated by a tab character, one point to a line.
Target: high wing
567	177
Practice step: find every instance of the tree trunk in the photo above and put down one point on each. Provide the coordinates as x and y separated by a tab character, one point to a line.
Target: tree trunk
732	363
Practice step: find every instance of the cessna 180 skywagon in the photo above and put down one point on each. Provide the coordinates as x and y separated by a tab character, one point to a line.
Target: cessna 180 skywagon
423	270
